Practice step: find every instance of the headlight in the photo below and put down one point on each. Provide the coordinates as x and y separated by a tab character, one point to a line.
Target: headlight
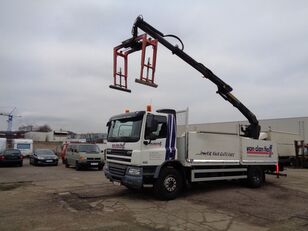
134	171
40	158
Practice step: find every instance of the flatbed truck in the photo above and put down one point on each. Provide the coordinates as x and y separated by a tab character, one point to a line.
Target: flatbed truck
148	149
145	150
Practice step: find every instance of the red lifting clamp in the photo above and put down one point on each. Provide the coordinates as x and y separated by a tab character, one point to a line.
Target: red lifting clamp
147	70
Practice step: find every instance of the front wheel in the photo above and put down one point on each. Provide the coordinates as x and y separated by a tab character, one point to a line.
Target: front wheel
169	184
66	164
78	167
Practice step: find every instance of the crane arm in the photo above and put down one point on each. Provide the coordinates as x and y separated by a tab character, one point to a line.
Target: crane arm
224	90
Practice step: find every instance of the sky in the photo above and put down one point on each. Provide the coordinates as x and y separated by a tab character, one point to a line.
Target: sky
56	60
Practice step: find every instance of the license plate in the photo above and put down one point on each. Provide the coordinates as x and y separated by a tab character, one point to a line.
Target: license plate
49	161
94	163
117	183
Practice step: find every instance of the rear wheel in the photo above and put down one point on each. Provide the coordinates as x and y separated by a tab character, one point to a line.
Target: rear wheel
255	177
169	184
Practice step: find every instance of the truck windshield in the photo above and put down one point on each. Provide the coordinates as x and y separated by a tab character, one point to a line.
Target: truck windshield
125	130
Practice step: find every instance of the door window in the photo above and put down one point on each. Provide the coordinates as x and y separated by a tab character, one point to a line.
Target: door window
160	130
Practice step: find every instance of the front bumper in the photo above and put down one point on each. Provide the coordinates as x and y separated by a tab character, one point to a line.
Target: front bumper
47	162
122	177
91	164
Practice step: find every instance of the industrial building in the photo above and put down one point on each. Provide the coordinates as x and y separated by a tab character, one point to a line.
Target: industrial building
53	136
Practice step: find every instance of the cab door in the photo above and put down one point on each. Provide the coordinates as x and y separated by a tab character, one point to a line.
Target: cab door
159	139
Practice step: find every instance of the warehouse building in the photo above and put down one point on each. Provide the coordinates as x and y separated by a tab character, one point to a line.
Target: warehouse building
53	136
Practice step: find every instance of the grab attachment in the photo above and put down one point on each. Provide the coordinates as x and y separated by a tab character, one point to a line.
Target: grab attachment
147	70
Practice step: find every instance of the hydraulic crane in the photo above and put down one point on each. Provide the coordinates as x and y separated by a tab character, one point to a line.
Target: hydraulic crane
140	42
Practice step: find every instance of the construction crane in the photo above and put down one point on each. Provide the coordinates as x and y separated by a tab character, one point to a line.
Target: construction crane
10	119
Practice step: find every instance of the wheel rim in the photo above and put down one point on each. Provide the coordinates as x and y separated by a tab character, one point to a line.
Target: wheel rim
256	179
170	183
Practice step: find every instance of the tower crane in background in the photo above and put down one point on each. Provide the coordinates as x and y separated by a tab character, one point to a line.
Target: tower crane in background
10	119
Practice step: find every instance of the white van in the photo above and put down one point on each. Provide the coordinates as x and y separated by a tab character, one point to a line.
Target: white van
2	144
80	155
24	145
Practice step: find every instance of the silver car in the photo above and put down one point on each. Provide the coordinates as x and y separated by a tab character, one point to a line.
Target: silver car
84	155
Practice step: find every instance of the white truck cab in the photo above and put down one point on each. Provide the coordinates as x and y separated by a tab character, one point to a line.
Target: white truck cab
144	149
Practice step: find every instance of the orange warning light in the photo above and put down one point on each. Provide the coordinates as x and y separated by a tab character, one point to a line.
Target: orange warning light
149	108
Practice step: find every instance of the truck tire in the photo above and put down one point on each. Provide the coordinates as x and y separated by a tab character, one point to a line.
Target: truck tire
255	177
169	184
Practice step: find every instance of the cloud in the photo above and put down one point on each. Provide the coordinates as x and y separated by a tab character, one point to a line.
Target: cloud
56	59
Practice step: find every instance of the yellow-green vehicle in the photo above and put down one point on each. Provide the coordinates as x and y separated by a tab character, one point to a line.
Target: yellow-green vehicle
83	155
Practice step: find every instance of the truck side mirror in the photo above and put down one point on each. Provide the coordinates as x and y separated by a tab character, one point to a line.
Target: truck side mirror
152	136
152	124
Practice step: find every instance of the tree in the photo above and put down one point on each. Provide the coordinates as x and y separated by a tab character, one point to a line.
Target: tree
44	128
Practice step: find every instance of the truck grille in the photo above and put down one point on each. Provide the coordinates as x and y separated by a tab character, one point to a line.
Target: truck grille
118	159
117	169
119	155
119	152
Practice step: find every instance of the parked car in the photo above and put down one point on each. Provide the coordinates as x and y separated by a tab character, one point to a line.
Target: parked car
11	157
44	157
84	155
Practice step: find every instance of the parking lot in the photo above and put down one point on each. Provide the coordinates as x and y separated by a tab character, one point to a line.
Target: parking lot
59	198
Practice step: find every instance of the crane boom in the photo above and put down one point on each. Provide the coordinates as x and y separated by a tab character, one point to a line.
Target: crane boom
224	90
